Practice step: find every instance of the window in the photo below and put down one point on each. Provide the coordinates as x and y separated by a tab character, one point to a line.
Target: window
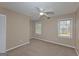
38	28
65	28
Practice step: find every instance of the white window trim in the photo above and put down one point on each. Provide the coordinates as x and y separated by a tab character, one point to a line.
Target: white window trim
35	28
71	27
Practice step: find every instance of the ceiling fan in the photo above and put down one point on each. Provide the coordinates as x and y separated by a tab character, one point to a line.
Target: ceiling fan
43	12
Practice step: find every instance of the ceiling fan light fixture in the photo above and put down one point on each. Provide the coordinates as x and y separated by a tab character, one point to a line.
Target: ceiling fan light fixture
41	13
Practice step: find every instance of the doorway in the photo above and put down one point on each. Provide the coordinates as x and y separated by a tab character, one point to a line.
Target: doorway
2	33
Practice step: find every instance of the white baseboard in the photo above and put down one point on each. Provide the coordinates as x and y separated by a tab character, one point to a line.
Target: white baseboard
45	41
17	46
77	51
56	43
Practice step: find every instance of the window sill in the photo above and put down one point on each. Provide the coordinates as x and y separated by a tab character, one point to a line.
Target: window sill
67	37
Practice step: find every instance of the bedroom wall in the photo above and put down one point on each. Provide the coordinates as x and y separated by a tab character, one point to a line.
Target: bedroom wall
50	30
77	31
18	28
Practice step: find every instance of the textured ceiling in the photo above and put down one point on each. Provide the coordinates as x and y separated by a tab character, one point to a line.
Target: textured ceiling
28	8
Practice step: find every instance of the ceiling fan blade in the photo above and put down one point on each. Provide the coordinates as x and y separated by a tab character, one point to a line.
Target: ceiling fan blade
38	9
49	12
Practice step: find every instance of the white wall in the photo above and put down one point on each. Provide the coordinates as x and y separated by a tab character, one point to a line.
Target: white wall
17	29
77	31
50	28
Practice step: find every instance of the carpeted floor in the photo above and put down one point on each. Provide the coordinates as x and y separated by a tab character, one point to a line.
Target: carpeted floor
41	48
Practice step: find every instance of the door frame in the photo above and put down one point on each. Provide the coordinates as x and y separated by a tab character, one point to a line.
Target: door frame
4	35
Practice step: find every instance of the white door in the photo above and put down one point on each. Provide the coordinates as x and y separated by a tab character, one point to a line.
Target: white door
2	33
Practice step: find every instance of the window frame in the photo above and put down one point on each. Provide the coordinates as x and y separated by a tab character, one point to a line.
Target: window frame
71	29
36	29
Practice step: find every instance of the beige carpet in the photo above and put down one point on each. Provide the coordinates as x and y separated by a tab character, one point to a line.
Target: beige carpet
41	48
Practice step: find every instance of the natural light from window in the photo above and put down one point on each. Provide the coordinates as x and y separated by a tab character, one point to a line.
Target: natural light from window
38	28
65	28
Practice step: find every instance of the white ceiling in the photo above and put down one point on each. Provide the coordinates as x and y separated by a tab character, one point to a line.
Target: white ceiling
28	8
